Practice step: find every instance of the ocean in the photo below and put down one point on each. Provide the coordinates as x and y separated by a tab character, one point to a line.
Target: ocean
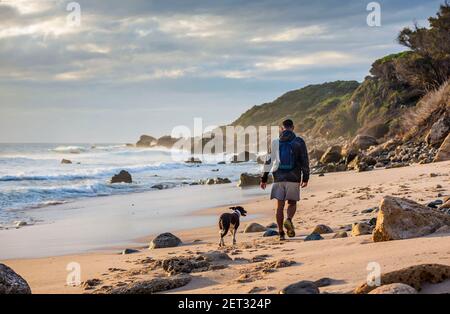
32	176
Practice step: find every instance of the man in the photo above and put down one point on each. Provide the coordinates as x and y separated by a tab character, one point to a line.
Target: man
289	164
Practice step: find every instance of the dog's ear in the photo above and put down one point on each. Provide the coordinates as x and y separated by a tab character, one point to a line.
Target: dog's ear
232	207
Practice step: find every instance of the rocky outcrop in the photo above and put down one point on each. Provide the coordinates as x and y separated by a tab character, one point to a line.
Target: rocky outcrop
122	177
165	240
166	141
254	227
443	153
248	179
193	160
332	154
414	276
176	265
403	219
394	288
11	282
146	141
439	131
153	286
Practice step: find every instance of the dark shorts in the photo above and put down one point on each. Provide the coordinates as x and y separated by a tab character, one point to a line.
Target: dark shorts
285	191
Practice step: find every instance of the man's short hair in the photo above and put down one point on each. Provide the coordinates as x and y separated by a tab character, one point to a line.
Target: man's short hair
288	124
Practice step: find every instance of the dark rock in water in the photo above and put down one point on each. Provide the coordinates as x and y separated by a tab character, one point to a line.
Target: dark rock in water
165	240
435	204
163	186
11	282
213	181
153	285
122	177
167	141
301	287
270	233
66	161
193	160
222	163
314	237
129	251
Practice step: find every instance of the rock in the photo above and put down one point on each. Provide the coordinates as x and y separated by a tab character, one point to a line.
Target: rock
122	177
272	225
435	204
11	282
21	224
177	265
254	227
165	240
340	234
90	283
332	154
153	285
66	161
270	233
193	160
403	219
443	153
301	287
414	276
323	282
146	141
438	132
363	142
373	221
443	230
166	141
314	237
370	210
129	251
394	288
163	186
322	229
361	228
247	179
444	206
215	256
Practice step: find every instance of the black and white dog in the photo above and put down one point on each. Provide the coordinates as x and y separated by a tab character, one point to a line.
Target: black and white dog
228	220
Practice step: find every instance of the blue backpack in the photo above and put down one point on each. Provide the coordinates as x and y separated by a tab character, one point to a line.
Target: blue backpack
287	157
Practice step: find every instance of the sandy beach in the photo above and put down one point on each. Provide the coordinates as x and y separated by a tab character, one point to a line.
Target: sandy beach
335	199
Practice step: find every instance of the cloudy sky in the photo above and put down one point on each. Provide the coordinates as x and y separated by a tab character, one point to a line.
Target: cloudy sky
140	66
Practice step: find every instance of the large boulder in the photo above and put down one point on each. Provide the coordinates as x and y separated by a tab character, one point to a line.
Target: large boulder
363	142
439	130
414	276
332	154
153	286
122	177
443	153
248	179
254	227
394	288
146	141
400	218
165	240
11	282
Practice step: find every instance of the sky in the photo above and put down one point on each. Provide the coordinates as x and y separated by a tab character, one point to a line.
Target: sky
143	67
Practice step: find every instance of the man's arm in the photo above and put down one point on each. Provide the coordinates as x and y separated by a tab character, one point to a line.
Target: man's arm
304	162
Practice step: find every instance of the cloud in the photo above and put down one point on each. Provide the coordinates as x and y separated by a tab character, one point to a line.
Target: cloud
291	34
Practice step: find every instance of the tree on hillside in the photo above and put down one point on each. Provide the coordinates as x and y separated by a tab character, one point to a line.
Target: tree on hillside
428	66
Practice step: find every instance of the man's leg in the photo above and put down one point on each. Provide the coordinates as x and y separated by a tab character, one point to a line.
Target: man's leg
280	215
292	208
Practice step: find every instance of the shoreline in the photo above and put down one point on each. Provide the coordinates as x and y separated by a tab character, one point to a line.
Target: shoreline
336	200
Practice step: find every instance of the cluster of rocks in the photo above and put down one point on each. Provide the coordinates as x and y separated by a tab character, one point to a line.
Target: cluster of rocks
213	181
365	153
